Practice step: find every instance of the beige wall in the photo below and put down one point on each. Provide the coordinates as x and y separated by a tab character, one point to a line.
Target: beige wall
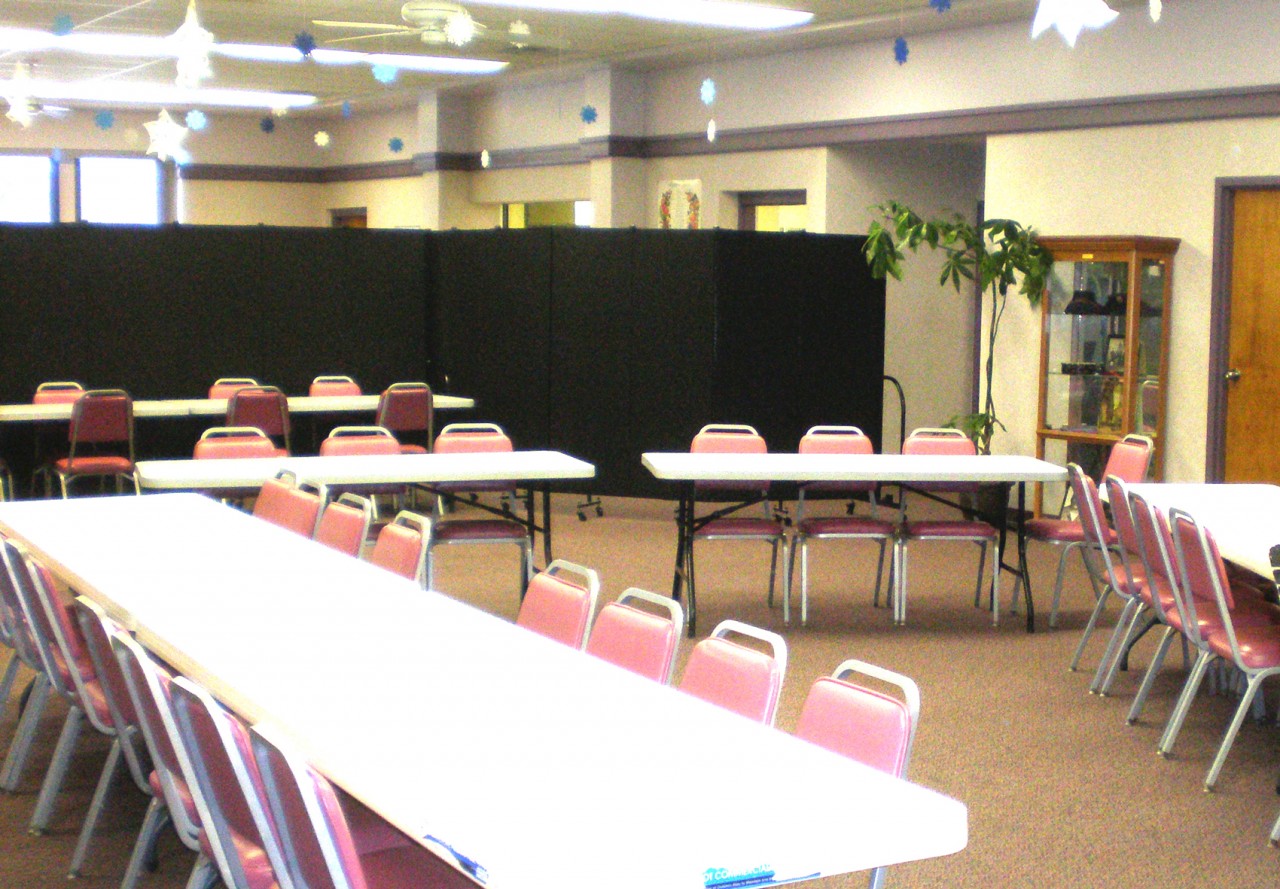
1156	180
204	202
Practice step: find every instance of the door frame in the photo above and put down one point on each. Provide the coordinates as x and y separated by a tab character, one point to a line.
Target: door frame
1225	189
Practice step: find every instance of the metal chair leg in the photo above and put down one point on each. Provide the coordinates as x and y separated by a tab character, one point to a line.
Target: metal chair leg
24	737
1157	661
109	770
57	770
1088	628
1170	735
1219	759
143	848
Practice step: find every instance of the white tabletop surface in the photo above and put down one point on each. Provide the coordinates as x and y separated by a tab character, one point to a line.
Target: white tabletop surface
1244	519
548	767
684	466
216	407
246	473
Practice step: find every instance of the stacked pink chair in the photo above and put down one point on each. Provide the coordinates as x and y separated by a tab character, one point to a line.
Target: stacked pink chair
101	441
285	502
263	407
639	631
559	603
225	387
401	546
231	442
344	524
744	679
408	410
333	384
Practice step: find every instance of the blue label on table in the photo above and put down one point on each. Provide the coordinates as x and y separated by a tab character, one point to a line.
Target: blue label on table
727	878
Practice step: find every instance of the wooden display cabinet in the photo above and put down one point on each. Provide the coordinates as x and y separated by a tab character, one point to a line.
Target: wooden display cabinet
1104	351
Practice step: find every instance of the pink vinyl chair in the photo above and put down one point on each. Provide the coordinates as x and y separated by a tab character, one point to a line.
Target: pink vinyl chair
333	385
472	438
323	847
1242	639
928	441
264	407
364	441
559	603
172	782
1129	461
57	392
225	387
407	409
639	631
344	524
230	442
833	440
863	723
401	546
286	502
740	678
101	440
27	651
232	807
725	523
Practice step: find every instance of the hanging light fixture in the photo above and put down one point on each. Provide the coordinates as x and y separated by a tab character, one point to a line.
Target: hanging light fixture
191	46
17	93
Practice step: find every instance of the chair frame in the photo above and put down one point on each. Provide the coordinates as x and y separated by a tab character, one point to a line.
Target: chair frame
74	436
386	411
586	579
228	437
346	501
423	526
233	408
673	610
778	651
344	385
225	387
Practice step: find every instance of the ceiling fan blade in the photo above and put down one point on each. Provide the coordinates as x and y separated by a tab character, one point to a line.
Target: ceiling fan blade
359	26
337	40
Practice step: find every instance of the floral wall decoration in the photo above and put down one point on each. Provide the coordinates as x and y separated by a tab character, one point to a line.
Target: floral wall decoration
680	204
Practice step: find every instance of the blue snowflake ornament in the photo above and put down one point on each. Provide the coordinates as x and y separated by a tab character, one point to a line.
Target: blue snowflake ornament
708	91
589	114
396	144
62	26
940	5
346	109
900	50
385	73
304	43
104	120
267	124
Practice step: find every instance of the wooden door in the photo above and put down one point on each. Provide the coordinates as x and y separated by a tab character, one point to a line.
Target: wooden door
1253	398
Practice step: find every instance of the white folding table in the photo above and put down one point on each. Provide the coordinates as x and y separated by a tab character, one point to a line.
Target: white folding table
543	765
217	407
688	468
532	469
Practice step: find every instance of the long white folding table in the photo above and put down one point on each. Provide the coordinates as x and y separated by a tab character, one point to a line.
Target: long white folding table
529	468
540	764
688	468
216	407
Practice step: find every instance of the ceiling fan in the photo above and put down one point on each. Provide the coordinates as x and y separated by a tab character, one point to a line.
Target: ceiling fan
438	23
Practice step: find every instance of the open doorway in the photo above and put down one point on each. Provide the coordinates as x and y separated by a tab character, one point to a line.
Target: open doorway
773	211
349	217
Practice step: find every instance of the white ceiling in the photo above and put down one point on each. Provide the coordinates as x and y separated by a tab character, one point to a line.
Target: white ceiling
582	39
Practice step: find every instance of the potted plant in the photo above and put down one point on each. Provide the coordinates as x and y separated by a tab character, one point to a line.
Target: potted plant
999	253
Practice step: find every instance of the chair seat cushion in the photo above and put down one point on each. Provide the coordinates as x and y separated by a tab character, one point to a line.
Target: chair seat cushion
412	449
739	527
410	866
97	464
959	529
452	530
851	526
1062	531
1259	645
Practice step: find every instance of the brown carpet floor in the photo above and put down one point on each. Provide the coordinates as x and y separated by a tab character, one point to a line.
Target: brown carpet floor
1061	792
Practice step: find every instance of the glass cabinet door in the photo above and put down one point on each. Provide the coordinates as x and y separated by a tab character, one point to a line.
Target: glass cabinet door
1085	338
1146	407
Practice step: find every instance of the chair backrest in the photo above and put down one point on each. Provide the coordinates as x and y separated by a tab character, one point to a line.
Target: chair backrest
937	441
18	630
407	407
234	814
728	438
1202	576
359	440
97	630
836	440
149	690
1152	527
469	438
1093	520
318	849
57	392
102	416
401	546
225	387
265	407
863	723
629	634
334	385
737	677
1130	550
221	442
1130	459
284	501
560	602
344	524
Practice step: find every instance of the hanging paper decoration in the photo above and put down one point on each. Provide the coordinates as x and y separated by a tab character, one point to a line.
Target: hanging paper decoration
708	91
589	114
1070	17
346	109
385	73
22	109
267	125
322	139
104	120
193	45
940	5
1156	8
900	50
485	159
166	136
62	26
196	120
711	131
304	43
396	144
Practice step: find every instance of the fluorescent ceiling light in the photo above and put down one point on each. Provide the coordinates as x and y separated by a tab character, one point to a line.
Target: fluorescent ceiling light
142	47
714	13
118	92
